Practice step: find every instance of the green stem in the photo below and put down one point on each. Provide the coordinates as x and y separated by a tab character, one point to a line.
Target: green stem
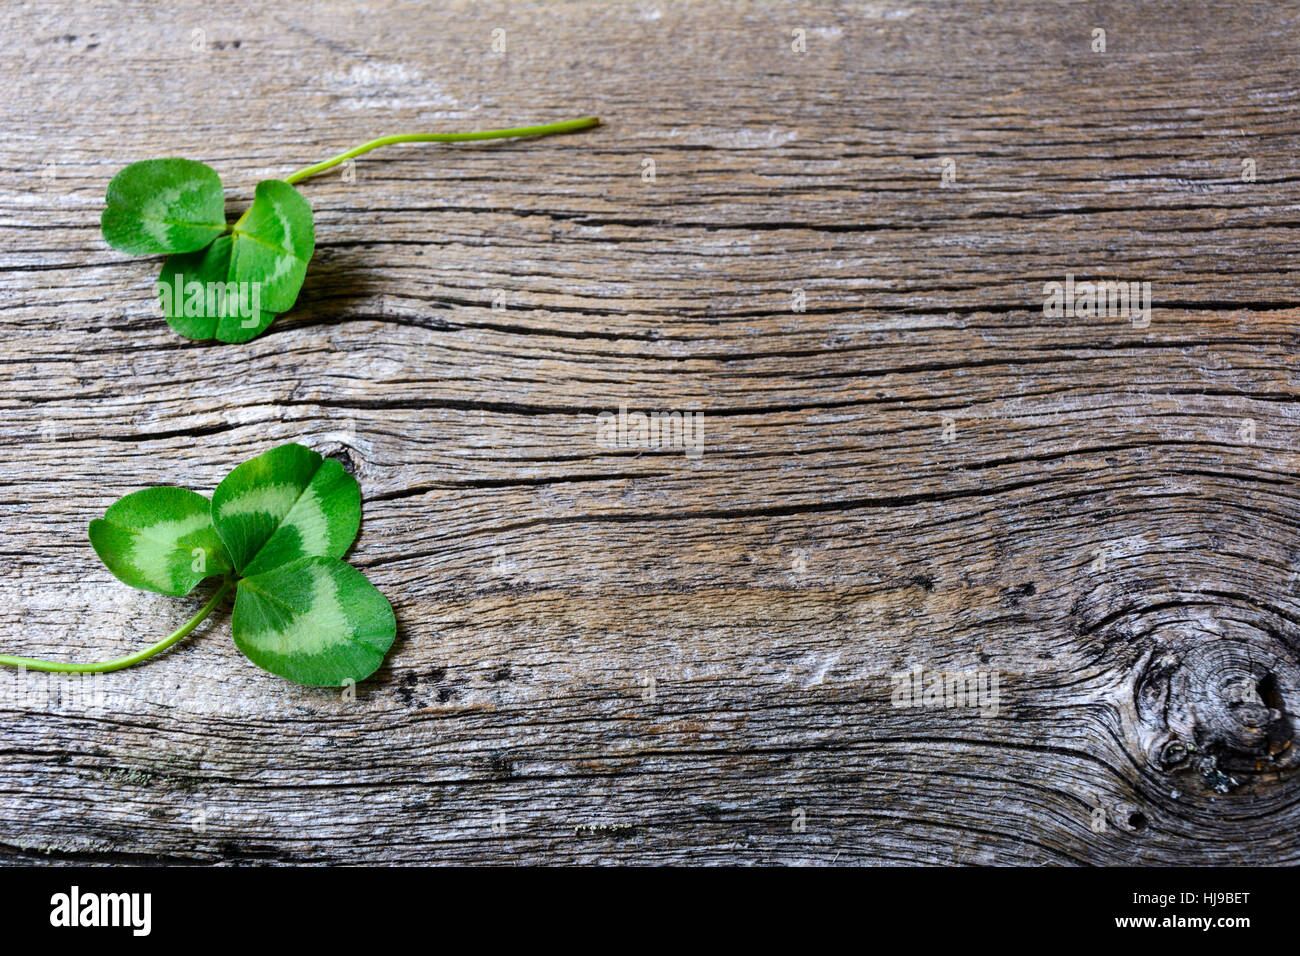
566	127
36	665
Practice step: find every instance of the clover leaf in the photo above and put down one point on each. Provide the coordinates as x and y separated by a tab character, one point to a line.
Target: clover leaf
275	531
273	243
160	539
229	283
232	289
286	504
225	315
316	621
163	205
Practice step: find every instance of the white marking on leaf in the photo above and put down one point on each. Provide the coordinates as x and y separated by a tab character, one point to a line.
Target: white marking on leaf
274	500
309	518
154	212
326	625
153	547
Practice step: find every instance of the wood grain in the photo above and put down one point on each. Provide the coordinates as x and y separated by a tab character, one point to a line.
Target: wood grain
629	655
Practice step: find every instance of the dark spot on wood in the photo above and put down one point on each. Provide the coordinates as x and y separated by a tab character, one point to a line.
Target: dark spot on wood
1279	727
1173	754
1215	778
406	687
923	581
1012	595
343	454
501	764
500	674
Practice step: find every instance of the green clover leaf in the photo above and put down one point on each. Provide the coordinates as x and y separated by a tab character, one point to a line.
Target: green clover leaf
200	302
224	283
163	205
275	530
244	275
315	621
160	539
286	504
273	243
232	289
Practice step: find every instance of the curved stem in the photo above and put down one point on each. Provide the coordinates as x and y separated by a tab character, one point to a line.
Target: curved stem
567	126
55	667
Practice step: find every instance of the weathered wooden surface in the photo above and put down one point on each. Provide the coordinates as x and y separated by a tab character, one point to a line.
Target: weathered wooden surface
637	656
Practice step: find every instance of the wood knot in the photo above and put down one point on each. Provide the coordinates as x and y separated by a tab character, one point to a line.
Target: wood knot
347	456
1222	704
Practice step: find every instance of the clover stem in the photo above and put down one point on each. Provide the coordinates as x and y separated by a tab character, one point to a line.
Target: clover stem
116	665
567	126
